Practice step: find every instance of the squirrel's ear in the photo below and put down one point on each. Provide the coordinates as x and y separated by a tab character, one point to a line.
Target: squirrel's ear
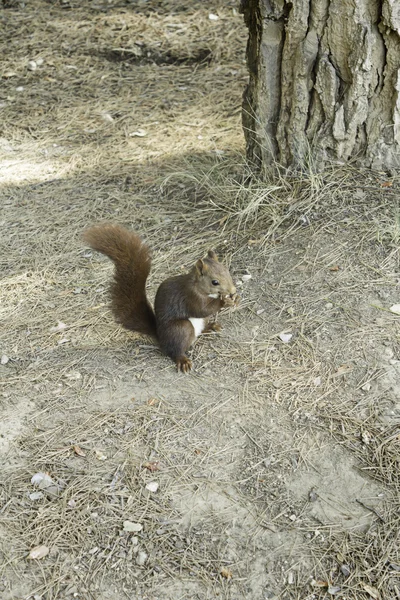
211	254
201	267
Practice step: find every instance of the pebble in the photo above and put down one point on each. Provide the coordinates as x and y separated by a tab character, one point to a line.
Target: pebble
152	486
329	305
345	570
141	558
132	527
366	387
32	66
107	118
312	495
285	337
36	495
4	359
333	589
246	277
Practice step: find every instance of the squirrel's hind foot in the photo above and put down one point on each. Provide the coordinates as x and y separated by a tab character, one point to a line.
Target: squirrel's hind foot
212	327
183	364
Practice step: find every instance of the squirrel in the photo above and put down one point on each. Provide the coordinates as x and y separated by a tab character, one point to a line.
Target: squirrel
182	304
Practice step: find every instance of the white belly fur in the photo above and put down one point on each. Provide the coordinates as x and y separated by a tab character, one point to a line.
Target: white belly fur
198	325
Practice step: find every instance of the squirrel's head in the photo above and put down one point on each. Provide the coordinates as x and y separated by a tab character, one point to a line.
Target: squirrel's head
213	279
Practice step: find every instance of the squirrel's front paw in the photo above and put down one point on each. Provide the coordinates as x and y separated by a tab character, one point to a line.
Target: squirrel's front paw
183	364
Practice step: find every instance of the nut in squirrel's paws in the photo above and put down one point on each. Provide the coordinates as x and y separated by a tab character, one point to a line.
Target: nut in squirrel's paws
230	300
184	364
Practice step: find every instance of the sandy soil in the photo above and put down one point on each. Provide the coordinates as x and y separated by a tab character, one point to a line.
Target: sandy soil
277	459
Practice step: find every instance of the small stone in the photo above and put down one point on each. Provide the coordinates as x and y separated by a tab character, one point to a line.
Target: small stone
290	578
213	17
345	570
32	66
131	527
395	309
4	359
94	550
246	277
141	558
317	381
20	88
38	552
152	486
39	61
329	305
36	495
260	311
285	337
312	495
100	455
293	517
333	589
366	387
107	118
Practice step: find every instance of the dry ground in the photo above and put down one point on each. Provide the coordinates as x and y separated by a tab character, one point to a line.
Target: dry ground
277	463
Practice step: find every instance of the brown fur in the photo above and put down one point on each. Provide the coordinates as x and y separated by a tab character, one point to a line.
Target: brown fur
132	266
177	300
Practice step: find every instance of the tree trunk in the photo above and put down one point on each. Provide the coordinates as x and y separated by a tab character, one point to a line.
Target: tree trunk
324	82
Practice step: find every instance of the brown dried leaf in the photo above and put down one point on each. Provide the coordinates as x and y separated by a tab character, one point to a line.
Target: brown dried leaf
321	583
38	552
334	268
386	184
153	401
78	450
152	466
226	573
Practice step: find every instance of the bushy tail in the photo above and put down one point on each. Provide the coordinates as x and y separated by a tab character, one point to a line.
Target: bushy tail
132	266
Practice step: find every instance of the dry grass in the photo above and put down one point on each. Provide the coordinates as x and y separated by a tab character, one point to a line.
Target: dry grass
323	251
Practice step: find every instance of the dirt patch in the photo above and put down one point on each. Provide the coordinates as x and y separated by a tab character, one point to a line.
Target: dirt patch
277	458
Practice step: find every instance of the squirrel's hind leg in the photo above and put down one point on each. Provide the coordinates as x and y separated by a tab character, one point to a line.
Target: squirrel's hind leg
175	340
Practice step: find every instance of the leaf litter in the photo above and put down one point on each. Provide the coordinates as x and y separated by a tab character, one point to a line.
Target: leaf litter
99	173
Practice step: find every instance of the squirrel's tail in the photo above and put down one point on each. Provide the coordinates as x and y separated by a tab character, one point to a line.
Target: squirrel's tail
132	266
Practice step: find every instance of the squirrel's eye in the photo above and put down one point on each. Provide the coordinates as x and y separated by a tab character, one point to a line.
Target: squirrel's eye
215	282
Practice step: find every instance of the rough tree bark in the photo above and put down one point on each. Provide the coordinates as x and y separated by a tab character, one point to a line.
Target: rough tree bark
325	78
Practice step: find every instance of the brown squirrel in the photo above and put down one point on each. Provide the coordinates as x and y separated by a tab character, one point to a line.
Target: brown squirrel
182	303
